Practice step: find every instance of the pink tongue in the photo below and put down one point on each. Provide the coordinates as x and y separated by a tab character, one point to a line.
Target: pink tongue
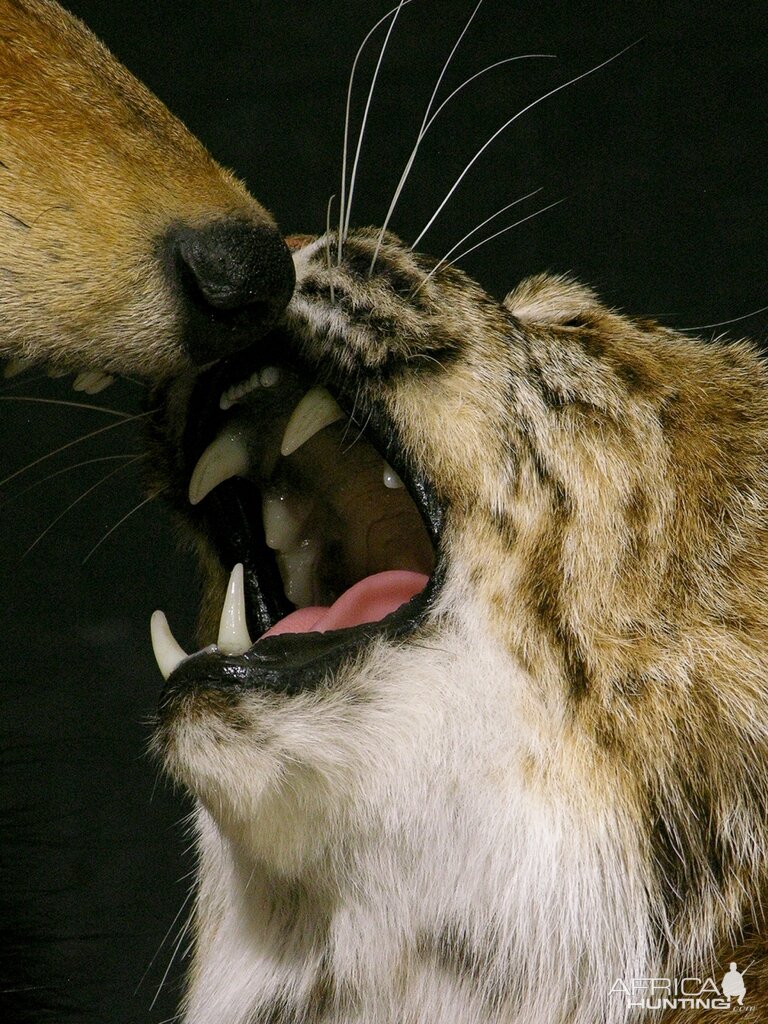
367	601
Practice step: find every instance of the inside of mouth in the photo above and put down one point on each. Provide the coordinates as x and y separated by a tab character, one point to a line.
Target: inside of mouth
370	600
347	539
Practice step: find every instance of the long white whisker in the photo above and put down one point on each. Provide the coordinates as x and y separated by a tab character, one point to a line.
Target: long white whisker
496	234
345	148
421	133
60	401
182	933
83	496
450	57
120	522
163	941
474	230
78	440
482	71
328	242
347	213
724	323
132	380
69	469
506	125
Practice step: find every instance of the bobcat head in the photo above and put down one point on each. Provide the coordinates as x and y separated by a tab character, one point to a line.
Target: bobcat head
501	736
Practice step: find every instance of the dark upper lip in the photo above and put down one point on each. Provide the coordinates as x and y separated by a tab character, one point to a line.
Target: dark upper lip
294	661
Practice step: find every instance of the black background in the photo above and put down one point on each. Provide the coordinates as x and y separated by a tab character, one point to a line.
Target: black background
659	158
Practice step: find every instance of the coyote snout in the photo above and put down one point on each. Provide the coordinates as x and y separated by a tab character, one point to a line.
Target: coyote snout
124	247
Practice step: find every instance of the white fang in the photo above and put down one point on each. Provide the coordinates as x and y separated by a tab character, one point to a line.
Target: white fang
233	629
168	654
226	456
316	410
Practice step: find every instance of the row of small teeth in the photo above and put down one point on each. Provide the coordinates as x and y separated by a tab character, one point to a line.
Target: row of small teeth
89	381
266	378
227	455
233	638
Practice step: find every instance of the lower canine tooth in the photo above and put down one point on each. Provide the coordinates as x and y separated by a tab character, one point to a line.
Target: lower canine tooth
316	410
284	517
224	457
233	629
168	654
297	568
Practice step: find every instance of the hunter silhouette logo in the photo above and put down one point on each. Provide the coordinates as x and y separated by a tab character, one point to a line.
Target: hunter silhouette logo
733	985
689	993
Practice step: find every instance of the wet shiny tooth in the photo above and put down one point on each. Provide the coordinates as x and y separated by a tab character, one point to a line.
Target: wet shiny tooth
234	637
226	456
92	381
233	395
284	518
16	366
266	378
297	568
391	479
168	654
316	410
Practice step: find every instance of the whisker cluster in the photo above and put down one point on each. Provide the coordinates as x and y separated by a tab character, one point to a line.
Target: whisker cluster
77	440
82	497
119	461
430	114
492	138
422	132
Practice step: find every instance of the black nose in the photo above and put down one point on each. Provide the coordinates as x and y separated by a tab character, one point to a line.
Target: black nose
234	277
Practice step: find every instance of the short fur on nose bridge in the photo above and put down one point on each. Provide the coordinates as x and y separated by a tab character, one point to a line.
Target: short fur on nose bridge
234	278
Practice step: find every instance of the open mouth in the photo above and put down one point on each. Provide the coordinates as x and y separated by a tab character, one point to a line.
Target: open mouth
311	501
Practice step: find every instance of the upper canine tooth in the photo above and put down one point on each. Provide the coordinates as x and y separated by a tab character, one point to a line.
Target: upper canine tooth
297	568
284	515
316	410
233	629
168	654
226	456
